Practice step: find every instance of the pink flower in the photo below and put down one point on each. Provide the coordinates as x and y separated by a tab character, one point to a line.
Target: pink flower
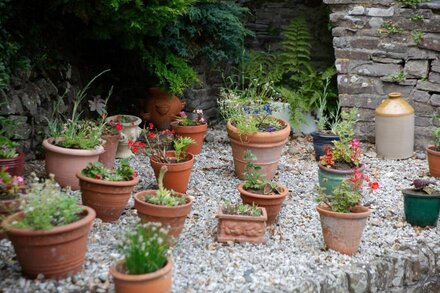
182	114
151	125
355	143
20	179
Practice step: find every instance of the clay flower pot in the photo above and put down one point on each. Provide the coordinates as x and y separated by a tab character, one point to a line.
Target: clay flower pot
343	231
130	131
238	228
107	158
197	133
177	175
267	147
172	218
65	163
7	208
320	141
271	202
433	161
55	253
330	178
107	198
159	281
15	165
421	209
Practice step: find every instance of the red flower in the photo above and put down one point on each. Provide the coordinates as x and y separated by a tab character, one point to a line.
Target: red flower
151	135
118	118
136	173
374	185
173	131
119	126
98	176
130	143
134	149
151	125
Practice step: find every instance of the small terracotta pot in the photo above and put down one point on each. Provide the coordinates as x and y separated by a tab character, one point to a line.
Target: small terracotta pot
178	174
15	165
65	163
159	281
271	202
107	158
55	253
433	161
107	198
197	133
267	147
7	208
239	228
330	178
343	231
172	218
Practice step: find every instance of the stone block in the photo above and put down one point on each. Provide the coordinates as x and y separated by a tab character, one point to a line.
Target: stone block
357	280
435	100
405	90
365	101
364	42
435	65
23	129
10	104
380	12
375	69
357	10
431	42
434	77
376	22
386	60
390	45
420	96
353	54
415	53
381	2
423	109
355	84
416	68
428	86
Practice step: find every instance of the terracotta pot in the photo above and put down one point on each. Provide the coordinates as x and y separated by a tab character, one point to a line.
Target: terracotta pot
178	174
15	165
267	147
130	131
65	163
161	108
241	228
107	158
7	208
433	161
55	253
171	217
330	178
343	231
157	282
197	133
107	198
320	141
271	202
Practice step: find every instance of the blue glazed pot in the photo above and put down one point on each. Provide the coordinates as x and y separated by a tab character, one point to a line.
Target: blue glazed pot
330	178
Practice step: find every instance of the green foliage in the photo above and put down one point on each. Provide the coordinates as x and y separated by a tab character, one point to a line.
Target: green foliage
254	179
398	76
436	134
417	36
9	185
391	28
417	17
343	199
410	3
327	121
145	249
181	145
8	148
163	196
46	206
242	209
97	170
261	67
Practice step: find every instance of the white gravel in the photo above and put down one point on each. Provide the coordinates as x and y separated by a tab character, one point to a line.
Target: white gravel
293	250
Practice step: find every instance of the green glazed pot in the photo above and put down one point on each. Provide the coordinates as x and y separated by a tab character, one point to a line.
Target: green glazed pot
330	178
420	208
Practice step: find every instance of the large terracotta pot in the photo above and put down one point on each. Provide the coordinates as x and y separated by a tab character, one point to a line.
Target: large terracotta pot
161	108
159	281
433	161
238	228
271	202
421	209
55	253
178	174
197	133
15	165
343	231
320	141
266	146
7	208
330	178
65	163
107	198
130	131
172	218
107	158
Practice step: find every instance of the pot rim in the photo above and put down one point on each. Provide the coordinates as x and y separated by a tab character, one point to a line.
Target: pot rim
429	150
194	129
136	119
20	157
262	218
341	172
88	218
131	182
143	193
409	192
281	132
325	211
324	135
188	154
142	277
47	144
263	196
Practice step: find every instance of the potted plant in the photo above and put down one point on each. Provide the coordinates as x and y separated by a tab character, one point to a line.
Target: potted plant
343	217
50	234
130	132
259	191
433	152
107	191
147	266
10	187
421	203
241	223
165	206
341	160
10	157
179	162
192	128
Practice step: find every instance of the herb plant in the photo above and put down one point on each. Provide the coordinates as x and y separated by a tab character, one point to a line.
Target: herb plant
163	196
184	120
253	177
97	170
242	209
9	185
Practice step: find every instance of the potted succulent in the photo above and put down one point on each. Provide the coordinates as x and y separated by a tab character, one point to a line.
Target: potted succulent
165	206
10	187
241	223
193	128
259	191
179	162
130	131
10	157
343	217
421	203
107	191
50	234
341	160
433	153
147	266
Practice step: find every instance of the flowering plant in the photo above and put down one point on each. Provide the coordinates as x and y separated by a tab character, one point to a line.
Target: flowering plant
96	170
9	185
163	196
184	120
109	127
348	194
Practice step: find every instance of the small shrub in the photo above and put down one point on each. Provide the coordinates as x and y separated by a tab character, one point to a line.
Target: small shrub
97	170
242	209
253	177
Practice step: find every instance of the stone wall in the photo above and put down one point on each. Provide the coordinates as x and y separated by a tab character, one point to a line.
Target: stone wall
382	47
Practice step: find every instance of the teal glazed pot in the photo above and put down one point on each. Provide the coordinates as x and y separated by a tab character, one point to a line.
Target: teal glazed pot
330	178
420	208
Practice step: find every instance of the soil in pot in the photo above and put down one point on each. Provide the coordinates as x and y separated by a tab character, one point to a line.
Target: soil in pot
320	141
433	155
196	132
421	209
330	178
15	165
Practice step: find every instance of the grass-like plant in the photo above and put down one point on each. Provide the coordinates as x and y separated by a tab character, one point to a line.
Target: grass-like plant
97	170
181	146
242	209
253	177
163	196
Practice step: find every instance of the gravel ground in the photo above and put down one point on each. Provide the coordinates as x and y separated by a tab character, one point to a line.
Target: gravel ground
293	250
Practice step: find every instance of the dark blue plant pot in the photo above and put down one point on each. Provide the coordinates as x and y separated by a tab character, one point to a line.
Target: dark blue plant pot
320	140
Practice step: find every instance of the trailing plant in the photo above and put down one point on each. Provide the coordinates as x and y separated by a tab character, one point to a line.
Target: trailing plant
163	196
391	28
417	17
417	36
398	76
254	179
145	249
10	186
184	120
96	170
242	209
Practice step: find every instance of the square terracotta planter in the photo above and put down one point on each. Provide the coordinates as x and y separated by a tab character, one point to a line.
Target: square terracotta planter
240	228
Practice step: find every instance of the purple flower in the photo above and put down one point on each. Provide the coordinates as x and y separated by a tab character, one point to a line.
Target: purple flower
270	129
